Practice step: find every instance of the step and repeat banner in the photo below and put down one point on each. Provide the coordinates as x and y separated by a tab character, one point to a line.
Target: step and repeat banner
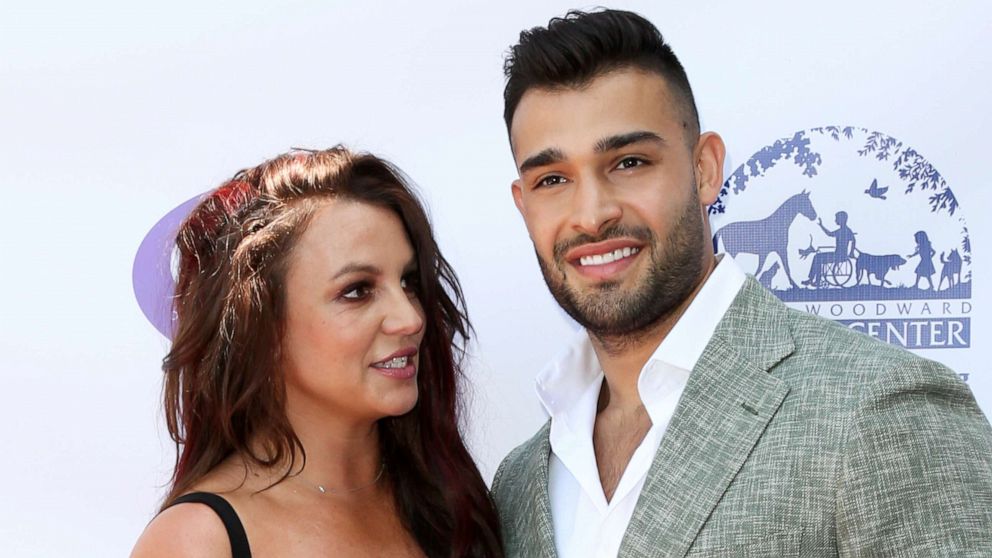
860	227
855	190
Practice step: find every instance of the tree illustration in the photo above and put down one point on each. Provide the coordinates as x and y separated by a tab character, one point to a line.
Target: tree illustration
795	148
913	168
909	165
966	244
918	173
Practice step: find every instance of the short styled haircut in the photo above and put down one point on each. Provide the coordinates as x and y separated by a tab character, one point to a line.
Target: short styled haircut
581	46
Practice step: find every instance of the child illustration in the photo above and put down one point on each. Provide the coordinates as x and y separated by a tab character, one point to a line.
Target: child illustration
925	251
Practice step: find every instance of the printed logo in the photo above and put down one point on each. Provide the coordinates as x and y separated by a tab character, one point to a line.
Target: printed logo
856	226
152	275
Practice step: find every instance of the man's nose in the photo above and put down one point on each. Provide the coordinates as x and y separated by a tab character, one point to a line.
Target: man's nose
594	206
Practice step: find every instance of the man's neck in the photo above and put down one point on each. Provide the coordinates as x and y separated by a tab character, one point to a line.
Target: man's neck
623	358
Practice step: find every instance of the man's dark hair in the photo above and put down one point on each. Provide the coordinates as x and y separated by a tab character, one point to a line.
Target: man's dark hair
581	46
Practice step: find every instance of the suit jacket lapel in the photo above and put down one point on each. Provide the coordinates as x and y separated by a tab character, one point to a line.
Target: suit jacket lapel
535	517
727	403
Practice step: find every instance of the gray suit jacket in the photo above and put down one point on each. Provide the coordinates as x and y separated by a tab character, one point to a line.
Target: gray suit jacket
794	437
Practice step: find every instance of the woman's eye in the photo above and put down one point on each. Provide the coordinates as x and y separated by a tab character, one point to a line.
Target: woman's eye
411	284
357	292
629	163
552	180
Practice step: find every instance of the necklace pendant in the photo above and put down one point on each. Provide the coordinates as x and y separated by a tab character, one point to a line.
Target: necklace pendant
321	488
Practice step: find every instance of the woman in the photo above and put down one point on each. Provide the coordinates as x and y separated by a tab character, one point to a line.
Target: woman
311	384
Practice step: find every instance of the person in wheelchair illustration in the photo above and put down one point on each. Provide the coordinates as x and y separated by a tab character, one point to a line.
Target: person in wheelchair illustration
836	267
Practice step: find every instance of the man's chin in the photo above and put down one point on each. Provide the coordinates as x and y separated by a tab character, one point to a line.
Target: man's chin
591	285
592	291
600	309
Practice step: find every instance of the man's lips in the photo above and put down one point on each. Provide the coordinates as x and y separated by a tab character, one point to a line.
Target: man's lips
604	260
605	252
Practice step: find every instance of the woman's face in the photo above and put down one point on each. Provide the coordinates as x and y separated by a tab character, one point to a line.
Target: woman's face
353	321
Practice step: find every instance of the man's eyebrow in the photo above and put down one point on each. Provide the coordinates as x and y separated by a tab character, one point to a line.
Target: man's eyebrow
623	140
545	157
357	268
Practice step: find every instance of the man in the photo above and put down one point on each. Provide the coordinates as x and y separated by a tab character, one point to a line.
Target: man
696	415
844	248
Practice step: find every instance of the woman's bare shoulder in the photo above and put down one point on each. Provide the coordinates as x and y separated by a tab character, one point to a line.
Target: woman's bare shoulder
189	530
193	530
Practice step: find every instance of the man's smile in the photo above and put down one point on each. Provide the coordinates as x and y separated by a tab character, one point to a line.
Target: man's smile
604	260
609	257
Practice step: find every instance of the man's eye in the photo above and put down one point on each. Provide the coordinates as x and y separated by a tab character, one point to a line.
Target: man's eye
360	291
552	180
629	163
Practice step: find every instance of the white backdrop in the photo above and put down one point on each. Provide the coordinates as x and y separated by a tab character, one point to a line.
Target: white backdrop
111	115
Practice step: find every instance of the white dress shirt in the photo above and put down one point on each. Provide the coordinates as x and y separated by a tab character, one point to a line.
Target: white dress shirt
585	524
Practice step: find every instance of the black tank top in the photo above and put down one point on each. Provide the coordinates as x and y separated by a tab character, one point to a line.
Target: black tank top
235	531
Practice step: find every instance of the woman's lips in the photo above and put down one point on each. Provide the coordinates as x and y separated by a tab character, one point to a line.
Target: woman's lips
400	365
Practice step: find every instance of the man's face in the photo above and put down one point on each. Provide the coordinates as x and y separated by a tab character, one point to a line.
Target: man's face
613	199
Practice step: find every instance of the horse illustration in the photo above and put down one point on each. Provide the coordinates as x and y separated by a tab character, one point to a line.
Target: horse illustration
767	236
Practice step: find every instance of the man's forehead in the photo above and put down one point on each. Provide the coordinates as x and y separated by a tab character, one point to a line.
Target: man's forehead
619	102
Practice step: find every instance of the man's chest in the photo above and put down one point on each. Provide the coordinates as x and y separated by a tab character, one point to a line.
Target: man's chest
616	436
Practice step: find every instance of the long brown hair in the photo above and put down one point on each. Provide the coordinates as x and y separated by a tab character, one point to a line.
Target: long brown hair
224	393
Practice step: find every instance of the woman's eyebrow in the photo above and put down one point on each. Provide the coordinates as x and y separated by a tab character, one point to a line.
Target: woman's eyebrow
358	268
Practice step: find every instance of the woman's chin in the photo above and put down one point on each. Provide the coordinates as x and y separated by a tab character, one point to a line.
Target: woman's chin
399	402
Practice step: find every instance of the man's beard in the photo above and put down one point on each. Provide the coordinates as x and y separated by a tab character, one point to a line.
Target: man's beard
619	316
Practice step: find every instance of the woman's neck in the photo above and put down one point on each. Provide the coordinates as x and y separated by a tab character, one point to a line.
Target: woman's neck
340	455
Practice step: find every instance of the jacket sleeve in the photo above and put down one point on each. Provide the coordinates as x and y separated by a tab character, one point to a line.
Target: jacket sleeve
916	475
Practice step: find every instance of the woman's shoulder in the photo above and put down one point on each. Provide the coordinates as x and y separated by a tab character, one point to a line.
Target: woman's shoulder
191	529
195	527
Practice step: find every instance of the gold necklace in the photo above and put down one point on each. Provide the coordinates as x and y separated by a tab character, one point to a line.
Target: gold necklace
325	490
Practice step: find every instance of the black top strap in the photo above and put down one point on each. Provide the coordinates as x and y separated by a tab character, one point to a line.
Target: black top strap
235	531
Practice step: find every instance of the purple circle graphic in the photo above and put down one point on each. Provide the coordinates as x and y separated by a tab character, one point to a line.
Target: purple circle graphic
151	275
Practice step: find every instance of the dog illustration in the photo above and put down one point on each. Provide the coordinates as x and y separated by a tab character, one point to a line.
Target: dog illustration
951	269
879	266
767	275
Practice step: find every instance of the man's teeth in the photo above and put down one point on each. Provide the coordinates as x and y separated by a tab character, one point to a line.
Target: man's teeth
398	362
609	257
